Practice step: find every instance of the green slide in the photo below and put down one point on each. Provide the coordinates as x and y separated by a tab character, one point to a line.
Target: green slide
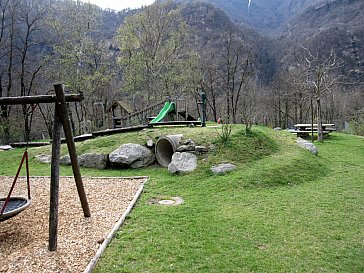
168	107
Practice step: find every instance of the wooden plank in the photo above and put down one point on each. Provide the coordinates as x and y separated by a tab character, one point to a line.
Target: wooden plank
54	187
30	144
63	114
79	138
120	130
314	125
181	122
324	129
39	99
307	131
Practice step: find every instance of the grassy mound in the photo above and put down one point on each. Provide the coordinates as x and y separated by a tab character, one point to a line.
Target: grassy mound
283	209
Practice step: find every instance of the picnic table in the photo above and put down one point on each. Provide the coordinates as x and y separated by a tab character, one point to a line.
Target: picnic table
305	129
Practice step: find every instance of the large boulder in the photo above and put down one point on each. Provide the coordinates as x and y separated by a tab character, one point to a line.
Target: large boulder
223	168
5	148
307	145
133	155
43	158
65	160
92	160
182	163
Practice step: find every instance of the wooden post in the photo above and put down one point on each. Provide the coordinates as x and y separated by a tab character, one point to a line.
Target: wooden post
176	105
186	110
63	114
54	188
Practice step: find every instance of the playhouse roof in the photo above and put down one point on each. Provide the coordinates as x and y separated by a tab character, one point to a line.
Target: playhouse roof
121	104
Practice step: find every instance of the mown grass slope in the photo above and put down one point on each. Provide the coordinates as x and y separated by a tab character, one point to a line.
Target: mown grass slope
282	210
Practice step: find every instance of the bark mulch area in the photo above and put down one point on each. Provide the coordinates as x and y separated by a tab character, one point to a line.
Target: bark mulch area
24	238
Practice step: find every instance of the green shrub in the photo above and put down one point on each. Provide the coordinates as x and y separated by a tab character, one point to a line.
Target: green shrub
224	135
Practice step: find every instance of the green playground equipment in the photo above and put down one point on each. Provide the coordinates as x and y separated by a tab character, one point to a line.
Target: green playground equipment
167	108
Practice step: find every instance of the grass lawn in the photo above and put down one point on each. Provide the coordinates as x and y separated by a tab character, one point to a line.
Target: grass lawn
282	210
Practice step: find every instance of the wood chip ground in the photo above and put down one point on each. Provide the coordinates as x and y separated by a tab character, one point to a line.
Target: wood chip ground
24	238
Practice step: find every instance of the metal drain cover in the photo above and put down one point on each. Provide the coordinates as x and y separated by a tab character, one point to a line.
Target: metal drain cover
174	201
166	202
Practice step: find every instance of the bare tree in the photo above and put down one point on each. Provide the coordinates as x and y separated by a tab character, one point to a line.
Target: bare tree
80	60
210	84
154	58
319	74
8	32
29	60
236	68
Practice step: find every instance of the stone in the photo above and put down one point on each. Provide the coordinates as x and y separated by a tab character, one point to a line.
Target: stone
132	155
93	160
44	158
65	160
213	147
223	168
277	129
185	148
150	143
201	150
182	163
188	142
307	145
5	147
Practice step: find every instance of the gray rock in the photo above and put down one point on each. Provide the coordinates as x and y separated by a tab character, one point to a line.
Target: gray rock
277	129
44	158
133	155
188	142
185	148
182	163
150	143
223	168
307	145
5	147
212	147
65	160
92	160
201	150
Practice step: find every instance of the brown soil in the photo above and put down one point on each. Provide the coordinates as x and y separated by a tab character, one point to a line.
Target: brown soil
24	238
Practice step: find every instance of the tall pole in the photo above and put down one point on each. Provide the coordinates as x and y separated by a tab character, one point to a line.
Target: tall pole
203	99
54	189
63	112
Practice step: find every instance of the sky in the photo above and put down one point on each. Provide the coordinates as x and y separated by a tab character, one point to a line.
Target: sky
120	4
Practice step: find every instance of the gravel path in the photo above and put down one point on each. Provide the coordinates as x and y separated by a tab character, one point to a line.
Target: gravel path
24	238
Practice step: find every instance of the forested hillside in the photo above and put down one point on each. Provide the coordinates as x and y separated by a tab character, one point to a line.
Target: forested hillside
265	16
257	64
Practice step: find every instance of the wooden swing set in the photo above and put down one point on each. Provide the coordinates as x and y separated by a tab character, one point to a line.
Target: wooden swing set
10	206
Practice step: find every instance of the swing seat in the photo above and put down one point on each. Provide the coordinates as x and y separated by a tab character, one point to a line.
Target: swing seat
15	206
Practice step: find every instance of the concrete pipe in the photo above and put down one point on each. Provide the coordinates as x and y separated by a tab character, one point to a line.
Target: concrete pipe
165	148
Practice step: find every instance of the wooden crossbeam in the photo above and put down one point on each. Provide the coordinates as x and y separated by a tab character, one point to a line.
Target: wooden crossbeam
39	99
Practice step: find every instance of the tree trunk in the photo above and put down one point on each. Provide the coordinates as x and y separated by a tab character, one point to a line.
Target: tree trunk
228	107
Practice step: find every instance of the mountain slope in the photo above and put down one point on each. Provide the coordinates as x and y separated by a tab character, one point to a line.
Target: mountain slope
336	25
264	16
